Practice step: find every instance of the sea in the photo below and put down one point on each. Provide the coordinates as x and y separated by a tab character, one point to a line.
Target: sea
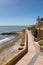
11	28
4	38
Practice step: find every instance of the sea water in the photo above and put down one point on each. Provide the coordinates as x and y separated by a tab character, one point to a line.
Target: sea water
4	38
11	28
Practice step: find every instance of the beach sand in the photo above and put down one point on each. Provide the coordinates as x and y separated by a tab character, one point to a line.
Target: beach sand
9	50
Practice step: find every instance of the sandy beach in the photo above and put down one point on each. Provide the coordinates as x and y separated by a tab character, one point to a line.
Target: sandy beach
9	47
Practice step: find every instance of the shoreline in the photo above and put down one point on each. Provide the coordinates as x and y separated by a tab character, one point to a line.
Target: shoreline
9	48
10	36
6	39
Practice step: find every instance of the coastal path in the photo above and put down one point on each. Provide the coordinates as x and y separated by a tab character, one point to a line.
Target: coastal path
31	51
33	56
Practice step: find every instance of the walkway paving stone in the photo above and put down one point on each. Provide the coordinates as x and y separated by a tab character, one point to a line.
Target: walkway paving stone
39	61
31	51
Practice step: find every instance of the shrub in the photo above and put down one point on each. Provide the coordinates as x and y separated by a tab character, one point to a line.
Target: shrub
34	31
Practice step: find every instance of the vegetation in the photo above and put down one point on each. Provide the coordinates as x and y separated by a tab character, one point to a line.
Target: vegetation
34	31
41	43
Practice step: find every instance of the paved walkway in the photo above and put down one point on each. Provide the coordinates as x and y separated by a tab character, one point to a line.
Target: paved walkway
39	60
33	56
25	60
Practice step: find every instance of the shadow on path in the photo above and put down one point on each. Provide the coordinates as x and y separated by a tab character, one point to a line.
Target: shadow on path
33	60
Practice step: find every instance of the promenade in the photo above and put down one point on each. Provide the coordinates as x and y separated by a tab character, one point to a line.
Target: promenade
25	60
33	56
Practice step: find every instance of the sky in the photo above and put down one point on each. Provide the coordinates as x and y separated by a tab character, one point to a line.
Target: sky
20	12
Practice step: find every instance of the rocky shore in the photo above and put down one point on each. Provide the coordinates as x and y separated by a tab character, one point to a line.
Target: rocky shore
10	33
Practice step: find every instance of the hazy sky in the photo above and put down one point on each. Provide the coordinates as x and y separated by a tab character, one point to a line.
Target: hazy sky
20	12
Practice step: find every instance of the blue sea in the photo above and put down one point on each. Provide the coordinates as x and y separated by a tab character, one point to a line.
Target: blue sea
9	29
